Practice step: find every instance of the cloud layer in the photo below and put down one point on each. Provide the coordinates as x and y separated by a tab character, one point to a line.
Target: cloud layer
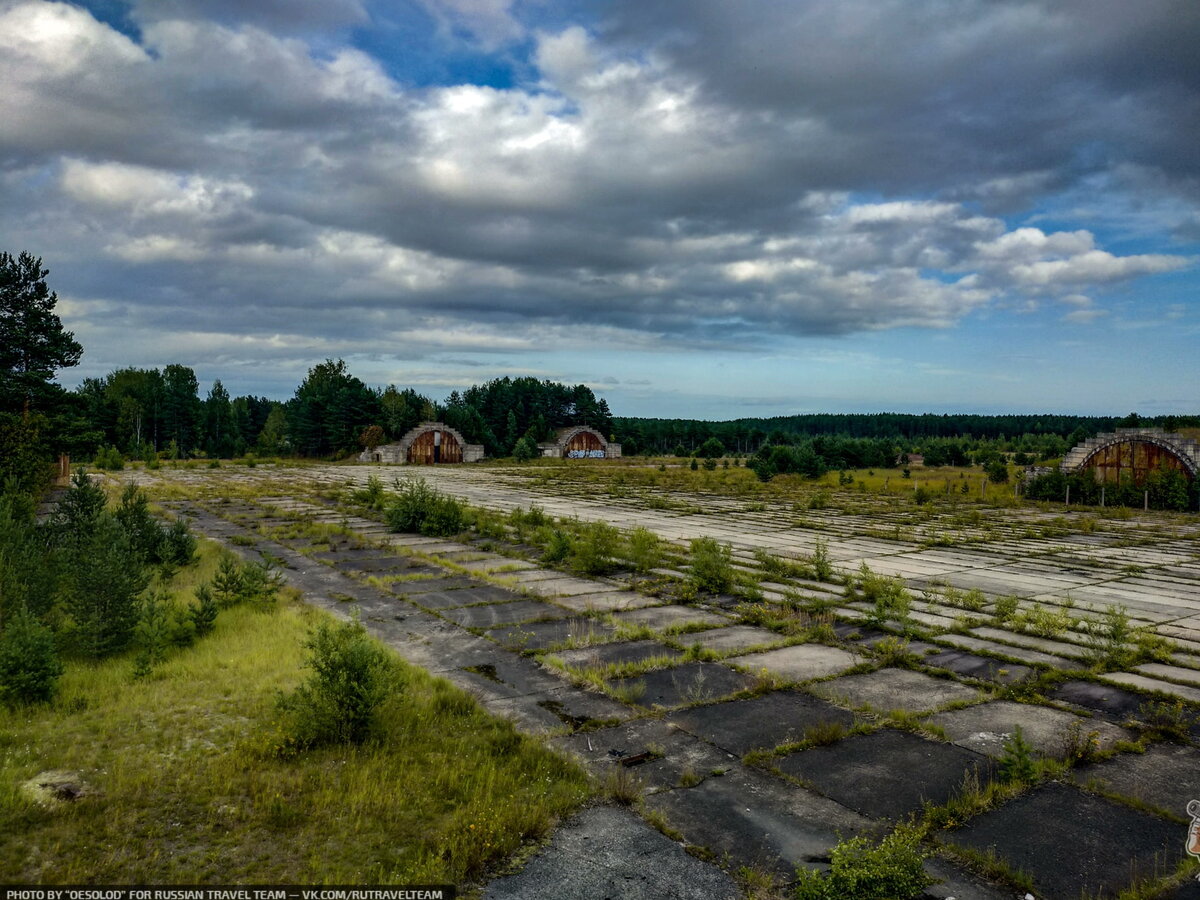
237	181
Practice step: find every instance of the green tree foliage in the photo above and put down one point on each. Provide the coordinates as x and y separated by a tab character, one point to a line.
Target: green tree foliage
29	663
330	410
497	414
712	449
181	410
33	343
221	437
273	439
525	450
350	679
106	575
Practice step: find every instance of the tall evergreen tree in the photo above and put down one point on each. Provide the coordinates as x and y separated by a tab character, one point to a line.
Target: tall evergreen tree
33	343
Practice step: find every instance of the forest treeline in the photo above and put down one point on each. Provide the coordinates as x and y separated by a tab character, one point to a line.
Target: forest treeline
160	413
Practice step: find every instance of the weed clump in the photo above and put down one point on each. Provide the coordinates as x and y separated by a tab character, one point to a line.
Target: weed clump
712	565
893	869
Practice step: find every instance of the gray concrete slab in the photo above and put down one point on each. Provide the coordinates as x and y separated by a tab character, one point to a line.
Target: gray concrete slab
1074	843
492	614
754	820
606	601
888	689
733	639
1145	683
544	635
625	652
610	852
801	662
886	774
1114	703
673	616
764	722
962	663
986	728
1166	776
687	684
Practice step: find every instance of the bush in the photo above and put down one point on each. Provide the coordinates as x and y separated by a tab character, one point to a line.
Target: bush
712	565
893	869
891	599
204	613
557	545
425	510
109	458
644	552
350	679
133	514
178	544
593	549
525	449
29	663
1016	762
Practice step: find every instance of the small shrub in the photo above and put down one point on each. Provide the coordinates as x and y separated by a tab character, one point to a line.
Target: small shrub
712	565
227	582
893	869
373	496
29	663
1016	763
204	612
152	634
557	546
178	544
1109	638
350	679
1006	608
891	600
1079	746
1169	720
593	549
821	565
644	552
109	458
1044	622
425	510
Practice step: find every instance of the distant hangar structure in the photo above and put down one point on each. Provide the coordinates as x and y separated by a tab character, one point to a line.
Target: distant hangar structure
1132	454
430	443
580	442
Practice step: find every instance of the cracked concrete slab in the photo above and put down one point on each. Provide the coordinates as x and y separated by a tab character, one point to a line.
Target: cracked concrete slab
800	662
763	722
888	689
609	852
1071	842
887	773
986	727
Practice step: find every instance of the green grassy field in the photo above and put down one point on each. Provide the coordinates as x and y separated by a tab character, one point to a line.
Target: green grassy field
181	784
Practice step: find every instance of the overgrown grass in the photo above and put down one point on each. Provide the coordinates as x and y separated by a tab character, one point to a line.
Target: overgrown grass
180	789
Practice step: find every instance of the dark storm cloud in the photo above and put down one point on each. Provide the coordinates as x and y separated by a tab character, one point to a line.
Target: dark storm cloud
692	173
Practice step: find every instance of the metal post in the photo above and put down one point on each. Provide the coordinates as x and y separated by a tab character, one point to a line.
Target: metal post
1146	500
1068	495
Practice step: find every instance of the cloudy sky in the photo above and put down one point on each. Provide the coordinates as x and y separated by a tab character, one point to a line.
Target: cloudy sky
700	208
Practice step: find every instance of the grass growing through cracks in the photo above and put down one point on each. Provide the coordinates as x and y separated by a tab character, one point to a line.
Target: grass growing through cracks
182	788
